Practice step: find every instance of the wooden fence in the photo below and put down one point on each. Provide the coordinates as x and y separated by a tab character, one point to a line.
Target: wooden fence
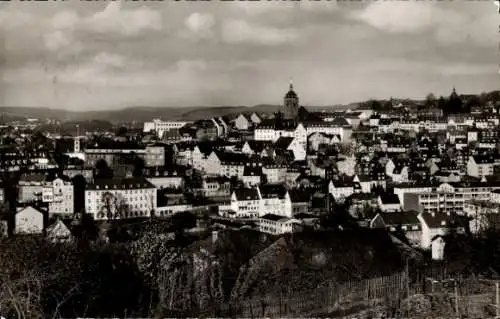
321	300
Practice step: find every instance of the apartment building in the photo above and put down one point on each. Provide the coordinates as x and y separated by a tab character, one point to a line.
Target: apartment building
120	198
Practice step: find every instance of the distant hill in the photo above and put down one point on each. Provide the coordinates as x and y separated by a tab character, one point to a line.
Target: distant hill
144	113
140	113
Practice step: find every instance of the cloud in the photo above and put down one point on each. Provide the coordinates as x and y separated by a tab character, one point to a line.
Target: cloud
240	31
107	59
127	22
463	22
199	25
405	17
64	20
12	19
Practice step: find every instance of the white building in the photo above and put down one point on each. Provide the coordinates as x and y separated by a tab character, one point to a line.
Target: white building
159	127
60	196
120	198
29	220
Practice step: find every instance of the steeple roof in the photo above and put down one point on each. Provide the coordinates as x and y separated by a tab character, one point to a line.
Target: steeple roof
291	93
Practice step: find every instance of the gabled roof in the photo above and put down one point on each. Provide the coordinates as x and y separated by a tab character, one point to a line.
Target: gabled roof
400	218
439	219
272	191
299	196
389	198
246	194
231	158
283	142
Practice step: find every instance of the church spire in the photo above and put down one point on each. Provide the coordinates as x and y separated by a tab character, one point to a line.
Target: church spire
291	84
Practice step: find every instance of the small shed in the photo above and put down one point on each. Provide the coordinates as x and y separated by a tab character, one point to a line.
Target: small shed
437	247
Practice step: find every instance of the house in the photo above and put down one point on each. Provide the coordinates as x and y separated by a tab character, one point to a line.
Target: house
245	202
299	201
437	223
405	221
480	165
226	164
241	123
341	189
389	203
252	174
276	224
274	200
359	204
59	232
437	247
255	118
30	187
292	144
59	195
29	220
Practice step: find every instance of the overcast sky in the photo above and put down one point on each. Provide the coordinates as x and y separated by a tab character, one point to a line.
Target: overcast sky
96	55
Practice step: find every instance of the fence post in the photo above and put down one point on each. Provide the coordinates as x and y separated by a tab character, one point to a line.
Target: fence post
497	303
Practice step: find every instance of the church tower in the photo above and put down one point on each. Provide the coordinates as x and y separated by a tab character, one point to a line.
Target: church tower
291	104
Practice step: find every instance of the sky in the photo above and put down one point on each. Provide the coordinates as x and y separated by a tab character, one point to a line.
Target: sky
93	55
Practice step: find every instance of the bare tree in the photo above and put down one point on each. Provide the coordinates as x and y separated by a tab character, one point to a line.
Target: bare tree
114	207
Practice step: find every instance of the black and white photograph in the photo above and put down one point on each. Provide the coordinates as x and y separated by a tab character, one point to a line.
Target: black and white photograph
250	159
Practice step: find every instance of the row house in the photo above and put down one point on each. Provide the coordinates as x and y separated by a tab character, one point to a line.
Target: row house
226	164
120	198
221	125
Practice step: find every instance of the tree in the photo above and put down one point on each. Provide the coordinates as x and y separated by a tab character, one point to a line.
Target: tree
113	207
139	165
122	131
430	100
79	184
103	170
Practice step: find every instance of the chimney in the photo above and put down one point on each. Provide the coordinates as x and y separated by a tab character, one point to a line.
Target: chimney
215	236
